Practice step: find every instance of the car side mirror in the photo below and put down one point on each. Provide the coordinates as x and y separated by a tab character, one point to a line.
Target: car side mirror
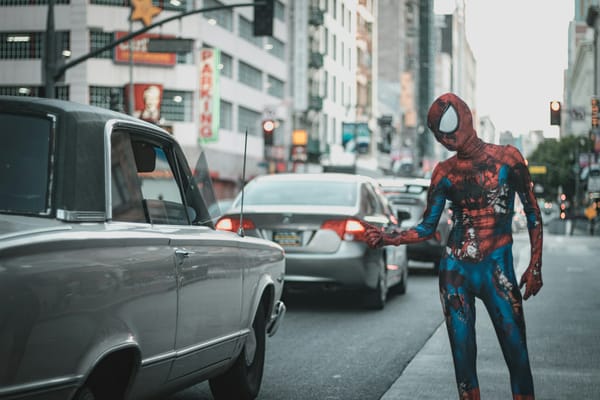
403	216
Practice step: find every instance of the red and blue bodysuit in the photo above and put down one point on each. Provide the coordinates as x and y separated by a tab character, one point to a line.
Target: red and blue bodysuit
480	181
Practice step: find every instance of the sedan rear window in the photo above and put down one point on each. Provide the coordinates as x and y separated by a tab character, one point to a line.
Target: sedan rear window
24	163
318	193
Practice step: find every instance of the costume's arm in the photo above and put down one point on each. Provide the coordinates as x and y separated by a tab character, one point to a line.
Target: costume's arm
524	188
436	200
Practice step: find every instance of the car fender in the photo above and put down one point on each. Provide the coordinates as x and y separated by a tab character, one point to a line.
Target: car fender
106	346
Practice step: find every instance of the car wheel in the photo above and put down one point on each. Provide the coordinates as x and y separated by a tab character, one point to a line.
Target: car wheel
84	393
242	381
436	267
377	297
401	287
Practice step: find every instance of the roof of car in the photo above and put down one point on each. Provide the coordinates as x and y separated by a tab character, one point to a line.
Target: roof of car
317	177
79	140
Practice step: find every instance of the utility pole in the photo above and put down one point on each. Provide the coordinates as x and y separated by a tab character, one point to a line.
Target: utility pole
49	61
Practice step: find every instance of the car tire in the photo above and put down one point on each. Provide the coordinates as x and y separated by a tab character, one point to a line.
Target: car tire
436	267
401	287
377	297
84	393
242	381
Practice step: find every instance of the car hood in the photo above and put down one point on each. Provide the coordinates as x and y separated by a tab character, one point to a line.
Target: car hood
12	226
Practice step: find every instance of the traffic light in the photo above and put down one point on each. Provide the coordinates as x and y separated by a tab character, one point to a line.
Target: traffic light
595	112
555	110
268	127
263	18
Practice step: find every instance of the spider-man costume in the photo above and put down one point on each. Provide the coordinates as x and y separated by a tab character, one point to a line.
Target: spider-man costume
480	181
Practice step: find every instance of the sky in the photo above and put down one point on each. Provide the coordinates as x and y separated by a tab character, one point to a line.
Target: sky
521	51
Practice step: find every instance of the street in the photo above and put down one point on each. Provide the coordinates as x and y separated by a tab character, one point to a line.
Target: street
330	348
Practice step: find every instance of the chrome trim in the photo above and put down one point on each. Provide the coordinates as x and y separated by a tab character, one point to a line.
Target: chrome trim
276	318
40	385
108	128
192	349
51	166
80	216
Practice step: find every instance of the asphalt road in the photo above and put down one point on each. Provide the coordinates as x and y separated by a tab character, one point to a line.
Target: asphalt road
330	347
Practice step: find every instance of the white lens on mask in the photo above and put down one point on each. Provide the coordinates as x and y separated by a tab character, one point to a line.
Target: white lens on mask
449	121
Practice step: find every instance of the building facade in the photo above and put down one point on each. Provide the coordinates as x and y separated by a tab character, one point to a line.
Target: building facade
248	75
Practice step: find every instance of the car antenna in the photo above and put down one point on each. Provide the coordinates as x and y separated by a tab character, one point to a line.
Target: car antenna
241	228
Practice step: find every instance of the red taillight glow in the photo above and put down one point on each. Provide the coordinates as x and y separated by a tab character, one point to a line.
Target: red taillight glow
233	224
346	229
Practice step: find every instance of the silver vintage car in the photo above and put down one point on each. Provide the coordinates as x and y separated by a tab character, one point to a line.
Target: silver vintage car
114	283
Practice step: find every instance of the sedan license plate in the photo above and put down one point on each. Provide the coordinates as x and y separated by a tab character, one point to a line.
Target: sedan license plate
288	238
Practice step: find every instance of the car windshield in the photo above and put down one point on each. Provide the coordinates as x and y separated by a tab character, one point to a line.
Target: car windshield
319	193
24	163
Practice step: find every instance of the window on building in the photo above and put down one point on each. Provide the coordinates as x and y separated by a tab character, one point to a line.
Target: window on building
279	11
249	75
334	89
276	87
29	45
277	47
334	47
98	40
223	18
326	41
343	15
248	119
100	96
226	115
342	52
226	66
177	106
4	3
60	92
325	84
246	32
334	8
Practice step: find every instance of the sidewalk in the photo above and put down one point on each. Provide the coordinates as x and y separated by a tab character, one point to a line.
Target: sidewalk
562	331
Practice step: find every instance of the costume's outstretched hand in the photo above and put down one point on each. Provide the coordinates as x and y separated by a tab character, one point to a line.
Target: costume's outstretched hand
532	280
374	236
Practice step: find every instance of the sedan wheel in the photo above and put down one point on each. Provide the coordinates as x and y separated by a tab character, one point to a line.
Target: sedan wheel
242	381
377	297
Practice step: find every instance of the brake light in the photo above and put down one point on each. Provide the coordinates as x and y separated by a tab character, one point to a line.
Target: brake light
346	229
233	224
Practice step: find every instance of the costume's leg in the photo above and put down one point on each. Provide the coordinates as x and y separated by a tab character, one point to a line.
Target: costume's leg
502	298
459	311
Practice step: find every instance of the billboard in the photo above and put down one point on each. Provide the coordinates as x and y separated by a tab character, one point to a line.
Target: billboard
141	55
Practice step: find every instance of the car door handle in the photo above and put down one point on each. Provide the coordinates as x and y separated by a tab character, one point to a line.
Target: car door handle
180	253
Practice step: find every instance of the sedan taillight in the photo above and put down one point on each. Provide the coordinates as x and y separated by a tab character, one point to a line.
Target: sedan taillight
233	224
346	229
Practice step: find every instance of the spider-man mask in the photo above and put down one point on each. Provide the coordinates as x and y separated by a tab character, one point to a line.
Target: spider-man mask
451	122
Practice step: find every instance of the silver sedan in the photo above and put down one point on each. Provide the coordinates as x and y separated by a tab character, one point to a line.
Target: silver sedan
317	218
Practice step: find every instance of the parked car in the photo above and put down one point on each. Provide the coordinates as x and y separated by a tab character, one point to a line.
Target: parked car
410	195
317	218
114	283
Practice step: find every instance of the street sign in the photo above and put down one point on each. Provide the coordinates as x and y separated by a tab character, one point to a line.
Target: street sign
537	169
170	45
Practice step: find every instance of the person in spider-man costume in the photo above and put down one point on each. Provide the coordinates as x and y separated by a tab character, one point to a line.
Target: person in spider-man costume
480	181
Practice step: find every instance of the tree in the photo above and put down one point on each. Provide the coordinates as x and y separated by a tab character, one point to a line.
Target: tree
560	157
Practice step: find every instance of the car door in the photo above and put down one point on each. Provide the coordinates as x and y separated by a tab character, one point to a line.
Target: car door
208	263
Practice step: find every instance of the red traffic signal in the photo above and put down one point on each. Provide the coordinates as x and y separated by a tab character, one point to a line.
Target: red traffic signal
268	127
555	110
